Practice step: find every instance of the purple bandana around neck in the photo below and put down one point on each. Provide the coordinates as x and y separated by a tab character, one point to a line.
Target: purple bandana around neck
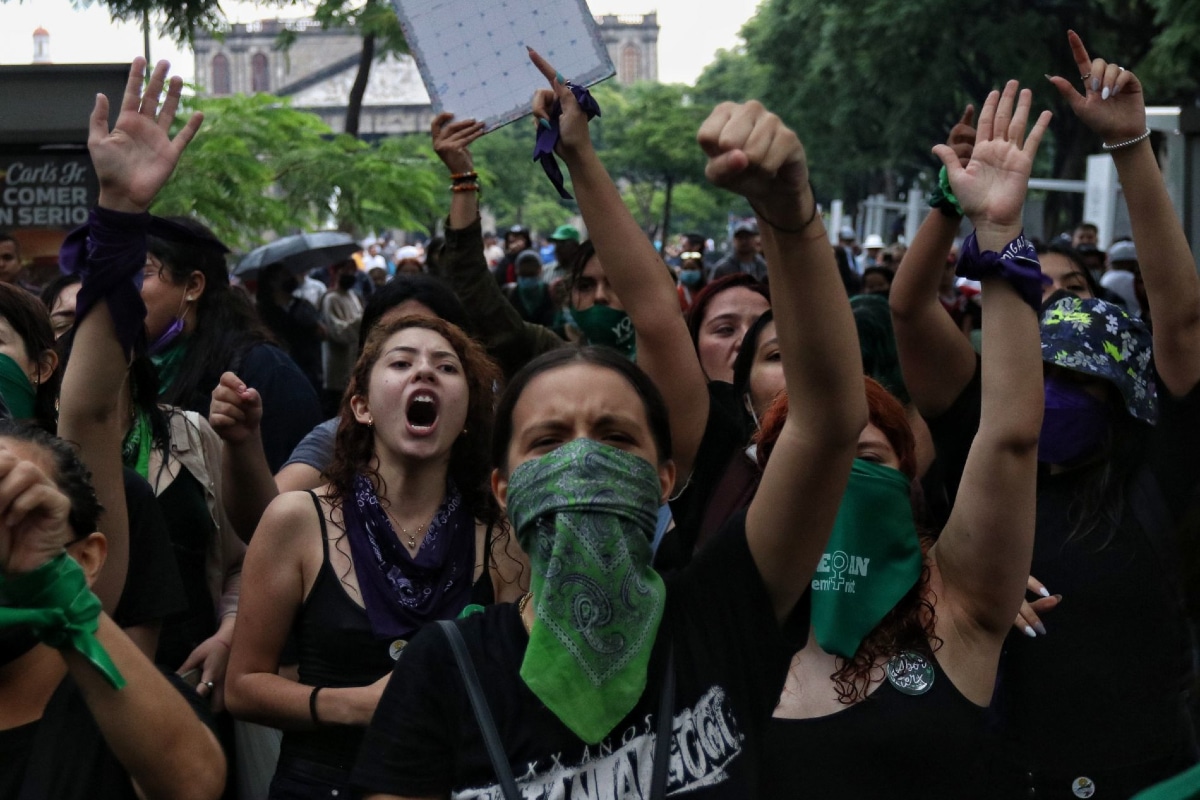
547	137
402	592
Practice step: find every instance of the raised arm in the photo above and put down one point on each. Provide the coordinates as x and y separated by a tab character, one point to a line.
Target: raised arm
132	162
1114	107
937	360
497	324
752	153
636	271
983	553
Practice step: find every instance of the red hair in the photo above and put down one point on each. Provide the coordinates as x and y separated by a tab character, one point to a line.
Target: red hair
884	411
910	623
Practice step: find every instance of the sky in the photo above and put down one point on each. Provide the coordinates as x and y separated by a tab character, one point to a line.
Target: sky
687	40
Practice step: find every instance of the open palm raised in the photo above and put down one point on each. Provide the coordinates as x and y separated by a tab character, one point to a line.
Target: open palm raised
138	155
991	188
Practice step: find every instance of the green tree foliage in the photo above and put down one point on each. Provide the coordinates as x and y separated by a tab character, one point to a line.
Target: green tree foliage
515	188
258	167
733	75
872	85
647	139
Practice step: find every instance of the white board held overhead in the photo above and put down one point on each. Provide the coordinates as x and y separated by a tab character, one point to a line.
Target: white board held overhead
472	53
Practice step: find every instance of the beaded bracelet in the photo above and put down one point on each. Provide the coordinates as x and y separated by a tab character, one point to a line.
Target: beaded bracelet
464	177
464	187
1108	148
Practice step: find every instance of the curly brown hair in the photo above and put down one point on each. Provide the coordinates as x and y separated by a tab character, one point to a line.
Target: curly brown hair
910	623
354	448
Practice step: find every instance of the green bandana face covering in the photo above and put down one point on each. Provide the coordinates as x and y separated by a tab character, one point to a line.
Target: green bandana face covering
872	560
585	513
607	326
16	389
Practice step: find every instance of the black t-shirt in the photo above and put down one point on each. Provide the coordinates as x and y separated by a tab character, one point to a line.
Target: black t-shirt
730	661
64	756
890	745
153	589
291	407
726	435
191	528
1100	693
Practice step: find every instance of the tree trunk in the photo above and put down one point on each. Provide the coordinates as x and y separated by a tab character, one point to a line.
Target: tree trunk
354	105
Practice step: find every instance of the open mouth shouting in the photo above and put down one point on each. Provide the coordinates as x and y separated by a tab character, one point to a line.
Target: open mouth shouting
421	415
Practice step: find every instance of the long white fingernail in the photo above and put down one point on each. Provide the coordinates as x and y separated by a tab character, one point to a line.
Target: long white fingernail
1095	84
1041	629
1043	592
1115	90
1030	632
1104	94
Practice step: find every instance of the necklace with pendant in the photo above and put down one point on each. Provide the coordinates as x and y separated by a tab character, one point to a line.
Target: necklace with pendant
412	543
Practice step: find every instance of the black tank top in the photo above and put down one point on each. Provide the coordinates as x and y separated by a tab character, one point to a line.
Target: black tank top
337	649
891	744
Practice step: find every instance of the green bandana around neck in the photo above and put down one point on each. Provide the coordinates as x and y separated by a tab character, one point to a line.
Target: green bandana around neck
135	450
604	325
585	513
873	558
168	363
16	389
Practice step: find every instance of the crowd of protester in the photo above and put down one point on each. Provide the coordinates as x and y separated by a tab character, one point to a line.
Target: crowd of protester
811	520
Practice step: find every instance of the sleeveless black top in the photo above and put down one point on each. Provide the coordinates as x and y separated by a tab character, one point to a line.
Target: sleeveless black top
891	744
338	649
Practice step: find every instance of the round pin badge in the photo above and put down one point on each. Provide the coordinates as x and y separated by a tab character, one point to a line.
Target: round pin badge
910	672
396	647
1083	787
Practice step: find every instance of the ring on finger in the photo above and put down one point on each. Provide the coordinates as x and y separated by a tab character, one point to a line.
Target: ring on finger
209	684
1085	77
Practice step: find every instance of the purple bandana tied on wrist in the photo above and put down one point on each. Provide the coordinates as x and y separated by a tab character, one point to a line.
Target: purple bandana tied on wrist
1017	263
547	137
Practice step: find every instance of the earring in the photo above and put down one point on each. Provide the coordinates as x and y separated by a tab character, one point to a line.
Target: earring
371	423
465	431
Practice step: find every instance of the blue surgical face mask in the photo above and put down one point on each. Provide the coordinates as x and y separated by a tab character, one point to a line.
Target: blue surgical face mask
689	277
528	282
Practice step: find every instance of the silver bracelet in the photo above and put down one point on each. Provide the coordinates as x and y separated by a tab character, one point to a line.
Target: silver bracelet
1108	148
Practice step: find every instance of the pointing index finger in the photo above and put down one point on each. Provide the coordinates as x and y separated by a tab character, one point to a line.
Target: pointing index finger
1079	53
549	72
968	115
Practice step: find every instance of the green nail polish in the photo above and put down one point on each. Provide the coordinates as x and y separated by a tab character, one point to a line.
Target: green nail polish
545	123
558	76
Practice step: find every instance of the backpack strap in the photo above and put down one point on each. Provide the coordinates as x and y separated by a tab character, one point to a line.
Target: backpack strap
483	714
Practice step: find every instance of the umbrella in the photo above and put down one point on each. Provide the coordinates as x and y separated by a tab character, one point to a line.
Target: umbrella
300	253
